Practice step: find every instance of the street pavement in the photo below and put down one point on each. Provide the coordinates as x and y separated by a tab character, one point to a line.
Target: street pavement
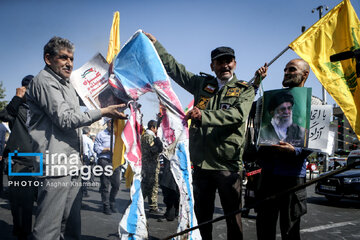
324	220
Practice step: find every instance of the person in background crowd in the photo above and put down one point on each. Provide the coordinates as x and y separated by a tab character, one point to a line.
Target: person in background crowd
21	197
88	155
3	131
151	147
102	148
170	191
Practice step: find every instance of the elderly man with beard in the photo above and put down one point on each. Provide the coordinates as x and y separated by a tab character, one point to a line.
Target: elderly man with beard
283	167
281	127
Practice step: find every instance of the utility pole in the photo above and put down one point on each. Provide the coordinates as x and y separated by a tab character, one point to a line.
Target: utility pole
320	10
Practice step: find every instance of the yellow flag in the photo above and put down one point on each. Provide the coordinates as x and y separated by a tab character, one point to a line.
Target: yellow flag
114	40
119	147
113	49
338	31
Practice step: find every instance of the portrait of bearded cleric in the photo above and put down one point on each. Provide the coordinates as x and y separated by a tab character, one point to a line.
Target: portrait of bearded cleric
281	123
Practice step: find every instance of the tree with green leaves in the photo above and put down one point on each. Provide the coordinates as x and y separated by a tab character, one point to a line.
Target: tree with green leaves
3	103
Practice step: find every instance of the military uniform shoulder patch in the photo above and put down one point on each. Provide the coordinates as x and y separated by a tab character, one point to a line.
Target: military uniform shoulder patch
210	88
203	102
233	92
243	83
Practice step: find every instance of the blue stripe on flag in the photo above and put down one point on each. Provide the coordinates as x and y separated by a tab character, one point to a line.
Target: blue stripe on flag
181	154
133	217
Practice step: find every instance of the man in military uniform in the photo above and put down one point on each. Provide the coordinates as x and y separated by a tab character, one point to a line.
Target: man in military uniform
222	105
151	147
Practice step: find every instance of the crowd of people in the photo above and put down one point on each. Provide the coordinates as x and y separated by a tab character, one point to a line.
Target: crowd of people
48	119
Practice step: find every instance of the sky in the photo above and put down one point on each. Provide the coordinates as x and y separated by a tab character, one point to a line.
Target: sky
257	30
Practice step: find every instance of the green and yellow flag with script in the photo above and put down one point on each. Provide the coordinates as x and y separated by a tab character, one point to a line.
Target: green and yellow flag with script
338	31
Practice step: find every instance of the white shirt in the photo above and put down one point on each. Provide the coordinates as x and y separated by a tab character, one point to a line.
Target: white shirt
88	146
222	83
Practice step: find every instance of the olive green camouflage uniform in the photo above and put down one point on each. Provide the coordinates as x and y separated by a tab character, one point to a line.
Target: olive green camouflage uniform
150	149
217	142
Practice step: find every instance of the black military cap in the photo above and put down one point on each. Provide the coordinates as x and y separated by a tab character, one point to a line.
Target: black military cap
222	51
279	98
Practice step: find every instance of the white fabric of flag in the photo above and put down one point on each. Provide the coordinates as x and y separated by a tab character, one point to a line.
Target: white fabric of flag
138	69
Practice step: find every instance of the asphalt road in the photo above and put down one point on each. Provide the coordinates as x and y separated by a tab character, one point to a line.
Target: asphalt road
324	220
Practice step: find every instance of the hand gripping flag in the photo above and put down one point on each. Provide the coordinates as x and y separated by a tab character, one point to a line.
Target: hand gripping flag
137	69
338	31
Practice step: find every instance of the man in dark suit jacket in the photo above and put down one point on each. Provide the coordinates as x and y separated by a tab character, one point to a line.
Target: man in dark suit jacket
21	197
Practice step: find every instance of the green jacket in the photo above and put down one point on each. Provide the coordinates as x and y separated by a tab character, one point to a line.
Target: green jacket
217	142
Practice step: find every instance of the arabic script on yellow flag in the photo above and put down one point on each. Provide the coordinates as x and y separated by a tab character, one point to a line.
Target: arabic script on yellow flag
338	31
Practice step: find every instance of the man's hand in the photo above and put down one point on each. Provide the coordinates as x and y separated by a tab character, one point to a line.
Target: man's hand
194	114
260	74
284	147
151	37
20	92
113	112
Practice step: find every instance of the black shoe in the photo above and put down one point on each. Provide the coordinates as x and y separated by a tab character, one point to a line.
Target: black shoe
155	211
170	214
107	211
113	208
85	195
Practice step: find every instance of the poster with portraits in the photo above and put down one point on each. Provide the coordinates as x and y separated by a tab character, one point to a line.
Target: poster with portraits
91	82
285	117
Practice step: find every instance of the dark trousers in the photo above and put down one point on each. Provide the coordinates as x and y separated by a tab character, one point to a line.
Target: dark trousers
2	165
228	185
290	207
171	200
108	197
87	172
21	201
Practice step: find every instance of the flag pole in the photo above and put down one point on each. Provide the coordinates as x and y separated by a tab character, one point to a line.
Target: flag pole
273	60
